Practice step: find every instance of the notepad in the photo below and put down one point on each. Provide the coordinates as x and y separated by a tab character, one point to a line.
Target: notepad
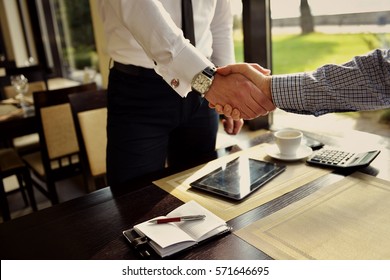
170	238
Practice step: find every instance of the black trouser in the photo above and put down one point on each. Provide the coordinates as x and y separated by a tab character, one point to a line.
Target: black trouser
150	125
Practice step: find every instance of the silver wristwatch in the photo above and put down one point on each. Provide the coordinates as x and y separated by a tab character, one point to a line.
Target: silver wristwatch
202	81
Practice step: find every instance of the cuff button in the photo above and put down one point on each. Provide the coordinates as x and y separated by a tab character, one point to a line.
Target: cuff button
175	83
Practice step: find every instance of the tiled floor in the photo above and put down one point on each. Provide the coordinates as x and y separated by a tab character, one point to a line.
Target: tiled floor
73	188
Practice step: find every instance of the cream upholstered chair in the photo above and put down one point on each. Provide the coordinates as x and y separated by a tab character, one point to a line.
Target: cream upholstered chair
90	117
59	155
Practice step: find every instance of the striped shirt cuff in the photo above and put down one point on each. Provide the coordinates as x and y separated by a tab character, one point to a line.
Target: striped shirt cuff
287	92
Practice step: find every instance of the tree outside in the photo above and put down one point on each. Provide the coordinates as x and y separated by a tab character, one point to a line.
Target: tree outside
306	19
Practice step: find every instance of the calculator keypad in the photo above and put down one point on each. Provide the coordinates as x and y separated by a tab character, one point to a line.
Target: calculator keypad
332	157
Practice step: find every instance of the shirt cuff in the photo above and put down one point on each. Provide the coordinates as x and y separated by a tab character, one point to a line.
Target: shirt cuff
287	91
180	71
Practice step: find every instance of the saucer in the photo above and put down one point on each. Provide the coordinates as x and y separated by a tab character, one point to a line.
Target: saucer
302	152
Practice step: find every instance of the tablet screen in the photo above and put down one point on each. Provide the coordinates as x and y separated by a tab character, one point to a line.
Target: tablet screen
238	178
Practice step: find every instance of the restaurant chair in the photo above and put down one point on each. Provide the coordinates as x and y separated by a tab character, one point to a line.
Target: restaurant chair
12	165
4	79
58	158
90	117
7	63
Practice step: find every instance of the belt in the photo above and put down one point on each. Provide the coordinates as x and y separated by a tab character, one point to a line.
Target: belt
136	70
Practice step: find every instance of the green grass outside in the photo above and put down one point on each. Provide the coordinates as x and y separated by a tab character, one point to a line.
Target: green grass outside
297	53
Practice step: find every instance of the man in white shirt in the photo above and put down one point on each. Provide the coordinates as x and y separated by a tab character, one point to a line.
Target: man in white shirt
153	114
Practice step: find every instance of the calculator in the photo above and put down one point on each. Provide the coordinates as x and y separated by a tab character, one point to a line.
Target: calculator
342	159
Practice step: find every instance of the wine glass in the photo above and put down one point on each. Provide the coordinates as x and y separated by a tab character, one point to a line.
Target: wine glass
89	75
20	83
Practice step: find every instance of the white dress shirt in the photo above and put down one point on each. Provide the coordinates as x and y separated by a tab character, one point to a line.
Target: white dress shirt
146	33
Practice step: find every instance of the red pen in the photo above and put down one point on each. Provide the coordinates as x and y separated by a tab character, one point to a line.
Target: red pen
177	219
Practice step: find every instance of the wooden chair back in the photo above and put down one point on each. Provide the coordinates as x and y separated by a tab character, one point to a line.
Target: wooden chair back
90	117
32	73
57	126
59	155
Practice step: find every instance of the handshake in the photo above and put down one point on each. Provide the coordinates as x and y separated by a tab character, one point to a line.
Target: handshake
241	91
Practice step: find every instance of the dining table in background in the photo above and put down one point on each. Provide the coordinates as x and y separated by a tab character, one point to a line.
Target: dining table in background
14	122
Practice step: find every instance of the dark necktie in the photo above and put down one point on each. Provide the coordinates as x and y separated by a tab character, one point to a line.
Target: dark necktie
187	20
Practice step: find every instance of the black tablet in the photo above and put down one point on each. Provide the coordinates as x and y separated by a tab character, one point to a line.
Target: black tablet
238	178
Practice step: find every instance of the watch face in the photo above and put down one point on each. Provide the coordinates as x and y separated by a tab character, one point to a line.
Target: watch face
202	83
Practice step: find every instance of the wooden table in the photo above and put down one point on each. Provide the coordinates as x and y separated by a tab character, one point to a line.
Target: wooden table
90	227
17	125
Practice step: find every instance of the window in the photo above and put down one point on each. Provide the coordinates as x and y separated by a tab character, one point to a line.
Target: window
57	34
340	30
67	37
238	35
74	30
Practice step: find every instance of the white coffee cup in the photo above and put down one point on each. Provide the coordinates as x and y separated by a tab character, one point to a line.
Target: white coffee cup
288	141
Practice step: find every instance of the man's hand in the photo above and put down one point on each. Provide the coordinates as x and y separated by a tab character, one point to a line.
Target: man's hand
231	126
254	72
227	110
240	93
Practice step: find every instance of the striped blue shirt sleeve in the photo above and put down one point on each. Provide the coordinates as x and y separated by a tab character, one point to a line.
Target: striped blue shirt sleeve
358	85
